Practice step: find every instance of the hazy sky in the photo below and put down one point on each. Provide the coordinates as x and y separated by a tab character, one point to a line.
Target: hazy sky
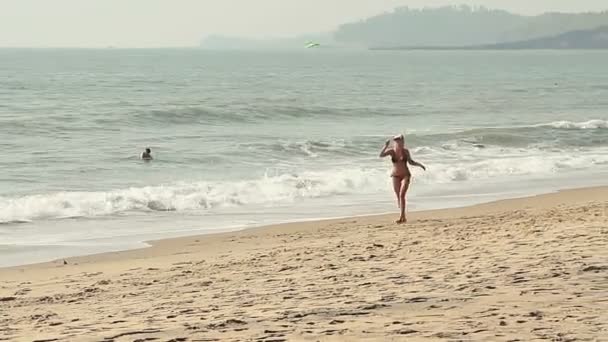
150	23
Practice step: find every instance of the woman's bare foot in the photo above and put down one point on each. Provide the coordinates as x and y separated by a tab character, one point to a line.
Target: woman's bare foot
401	220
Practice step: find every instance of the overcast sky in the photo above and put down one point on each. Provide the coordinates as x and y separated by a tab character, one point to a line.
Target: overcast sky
156	23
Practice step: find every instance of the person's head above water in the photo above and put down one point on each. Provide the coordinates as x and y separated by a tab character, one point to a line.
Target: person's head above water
399	140
147	154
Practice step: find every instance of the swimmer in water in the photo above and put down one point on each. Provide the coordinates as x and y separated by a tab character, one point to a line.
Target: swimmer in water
147	154
401	174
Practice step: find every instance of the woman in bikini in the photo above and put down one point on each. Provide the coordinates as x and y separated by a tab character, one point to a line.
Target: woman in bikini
401	174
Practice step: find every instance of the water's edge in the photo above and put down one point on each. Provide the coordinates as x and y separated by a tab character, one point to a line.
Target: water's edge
151	242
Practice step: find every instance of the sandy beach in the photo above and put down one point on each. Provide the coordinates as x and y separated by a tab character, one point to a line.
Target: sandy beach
532	269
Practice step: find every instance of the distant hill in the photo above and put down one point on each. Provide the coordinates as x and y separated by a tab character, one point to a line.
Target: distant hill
444	27
460	26
581	39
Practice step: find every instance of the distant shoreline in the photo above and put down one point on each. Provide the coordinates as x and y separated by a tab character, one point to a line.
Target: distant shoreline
475	48
596	39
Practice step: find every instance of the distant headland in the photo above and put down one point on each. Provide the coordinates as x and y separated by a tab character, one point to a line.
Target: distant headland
451	27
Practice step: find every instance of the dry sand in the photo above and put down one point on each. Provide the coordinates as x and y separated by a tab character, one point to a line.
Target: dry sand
533	269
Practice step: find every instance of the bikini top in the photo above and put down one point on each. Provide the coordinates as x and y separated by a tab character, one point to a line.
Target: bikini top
401	160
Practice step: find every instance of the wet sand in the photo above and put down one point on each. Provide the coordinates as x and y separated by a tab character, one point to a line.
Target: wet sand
532	269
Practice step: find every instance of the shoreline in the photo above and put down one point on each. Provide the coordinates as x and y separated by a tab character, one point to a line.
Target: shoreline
527	268
413	215
145	243
81	236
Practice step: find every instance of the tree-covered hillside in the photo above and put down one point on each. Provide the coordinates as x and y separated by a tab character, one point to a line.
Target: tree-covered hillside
460	26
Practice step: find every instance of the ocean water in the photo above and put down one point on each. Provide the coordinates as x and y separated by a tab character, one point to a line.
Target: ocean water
249	138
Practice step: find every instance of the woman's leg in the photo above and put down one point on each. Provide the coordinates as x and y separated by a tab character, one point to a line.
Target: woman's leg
402	198
397	181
